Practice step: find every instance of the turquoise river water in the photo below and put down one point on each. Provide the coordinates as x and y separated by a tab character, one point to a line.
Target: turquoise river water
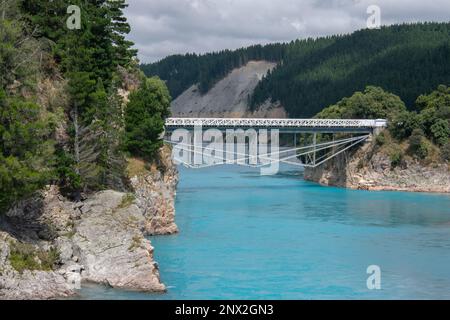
246	236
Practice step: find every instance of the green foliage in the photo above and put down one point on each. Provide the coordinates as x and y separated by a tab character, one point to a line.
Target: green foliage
432	123
25	149
80	88
90	59
26	129
48	259
97	48
396	158
69	180
403	123
417	144
435	114
19	51
440	131
380	139
123	52
101	163
127	201
373	103
25	256
144	118
46	17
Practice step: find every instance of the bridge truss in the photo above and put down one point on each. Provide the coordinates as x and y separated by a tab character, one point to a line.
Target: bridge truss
296	125
344	133
311	155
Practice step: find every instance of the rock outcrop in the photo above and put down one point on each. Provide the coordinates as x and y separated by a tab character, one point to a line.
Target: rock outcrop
49	245
30	267
28	284
110	245
370	169
155	190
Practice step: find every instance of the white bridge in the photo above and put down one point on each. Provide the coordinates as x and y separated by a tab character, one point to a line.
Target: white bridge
199	142
294	125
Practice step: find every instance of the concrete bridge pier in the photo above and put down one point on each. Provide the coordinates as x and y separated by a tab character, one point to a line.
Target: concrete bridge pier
380	125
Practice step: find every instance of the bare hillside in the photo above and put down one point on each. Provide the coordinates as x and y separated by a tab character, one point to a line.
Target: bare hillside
229	97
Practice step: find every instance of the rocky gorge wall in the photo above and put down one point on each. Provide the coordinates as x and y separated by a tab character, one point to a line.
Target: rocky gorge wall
368	168
155	191
48	244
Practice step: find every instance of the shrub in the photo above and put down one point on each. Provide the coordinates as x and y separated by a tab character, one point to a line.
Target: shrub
440	131
417	144
127	201
396	158
24	256
380	139
403	124
48	259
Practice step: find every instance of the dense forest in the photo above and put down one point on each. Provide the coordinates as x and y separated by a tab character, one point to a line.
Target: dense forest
62	119
407	60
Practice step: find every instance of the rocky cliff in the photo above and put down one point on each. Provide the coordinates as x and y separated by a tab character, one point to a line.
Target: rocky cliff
370	168
155	191
49	245
229	97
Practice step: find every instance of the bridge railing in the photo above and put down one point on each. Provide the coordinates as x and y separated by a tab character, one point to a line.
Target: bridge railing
275	123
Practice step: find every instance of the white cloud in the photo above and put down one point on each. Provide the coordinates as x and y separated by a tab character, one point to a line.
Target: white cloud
164	27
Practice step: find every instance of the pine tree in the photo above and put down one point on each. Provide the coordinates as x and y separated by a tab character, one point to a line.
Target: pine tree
26	149
89	58
119	28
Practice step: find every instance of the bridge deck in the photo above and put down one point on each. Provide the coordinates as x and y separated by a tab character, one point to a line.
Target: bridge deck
290	125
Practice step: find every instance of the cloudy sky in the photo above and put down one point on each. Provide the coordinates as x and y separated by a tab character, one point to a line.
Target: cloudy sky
165	27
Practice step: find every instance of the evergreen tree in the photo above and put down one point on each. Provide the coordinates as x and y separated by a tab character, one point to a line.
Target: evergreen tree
90	58
123	52
25	149
101	162
26	146
144	118
92	158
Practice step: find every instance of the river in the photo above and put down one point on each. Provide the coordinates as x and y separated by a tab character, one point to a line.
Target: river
246	236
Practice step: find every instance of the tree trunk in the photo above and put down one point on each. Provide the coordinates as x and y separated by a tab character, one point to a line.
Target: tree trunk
76	147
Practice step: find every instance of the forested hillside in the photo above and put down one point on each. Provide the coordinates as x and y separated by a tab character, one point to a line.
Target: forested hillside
182	71
62	118
407	60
